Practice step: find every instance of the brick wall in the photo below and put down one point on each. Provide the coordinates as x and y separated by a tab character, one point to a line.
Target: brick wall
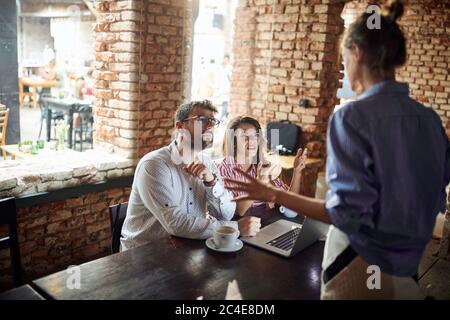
143	55
69	232
284	51
426	26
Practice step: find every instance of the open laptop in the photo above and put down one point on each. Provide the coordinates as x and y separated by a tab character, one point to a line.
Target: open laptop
287	238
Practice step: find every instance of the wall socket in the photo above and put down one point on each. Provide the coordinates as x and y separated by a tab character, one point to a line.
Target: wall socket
303	103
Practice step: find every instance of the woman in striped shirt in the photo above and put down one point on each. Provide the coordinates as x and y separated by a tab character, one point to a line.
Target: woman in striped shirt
244	149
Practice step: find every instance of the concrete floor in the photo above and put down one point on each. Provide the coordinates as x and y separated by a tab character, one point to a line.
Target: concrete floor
434	273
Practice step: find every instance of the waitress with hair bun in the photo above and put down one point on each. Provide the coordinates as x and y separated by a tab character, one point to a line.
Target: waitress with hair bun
387	169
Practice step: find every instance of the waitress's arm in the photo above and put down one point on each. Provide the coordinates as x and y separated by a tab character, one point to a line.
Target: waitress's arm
263	191
309	207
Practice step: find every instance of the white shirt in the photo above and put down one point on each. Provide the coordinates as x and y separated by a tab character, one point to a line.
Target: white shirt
166	199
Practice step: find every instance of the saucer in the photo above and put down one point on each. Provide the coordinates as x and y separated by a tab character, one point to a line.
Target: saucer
210	244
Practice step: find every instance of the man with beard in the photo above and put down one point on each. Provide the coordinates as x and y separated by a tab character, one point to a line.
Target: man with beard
178	191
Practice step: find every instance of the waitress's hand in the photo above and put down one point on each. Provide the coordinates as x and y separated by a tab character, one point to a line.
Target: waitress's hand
300	160
252	188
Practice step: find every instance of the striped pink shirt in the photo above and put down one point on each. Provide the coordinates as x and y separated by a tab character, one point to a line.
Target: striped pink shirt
227	168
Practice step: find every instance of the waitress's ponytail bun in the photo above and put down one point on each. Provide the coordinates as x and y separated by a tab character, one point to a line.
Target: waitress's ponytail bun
384	47
394	10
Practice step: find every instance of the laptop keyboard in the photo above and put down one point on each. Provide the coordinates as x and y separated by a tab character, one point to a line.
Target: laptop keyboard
287	240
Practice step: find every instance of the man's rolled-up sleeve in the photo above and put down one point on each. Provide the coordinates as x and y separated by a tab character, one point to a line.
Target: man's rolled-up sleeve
352	194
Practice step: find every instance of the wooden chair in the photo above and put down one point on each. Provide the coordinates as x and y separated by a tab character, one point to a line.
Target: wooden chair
4	114
23	93
117	214
8	217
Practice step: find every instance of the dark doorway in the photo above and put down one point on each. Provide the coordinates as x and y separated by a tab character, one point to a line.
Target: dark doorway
9	85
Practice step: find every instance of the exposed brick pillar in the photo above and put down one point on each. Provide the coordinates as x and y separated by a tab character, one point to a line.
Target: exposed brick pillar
243	52
163	60
139	72
117	45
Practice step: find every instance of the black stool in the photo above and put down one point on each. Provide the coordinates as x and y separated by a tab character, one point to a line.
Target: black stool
85	128
117	214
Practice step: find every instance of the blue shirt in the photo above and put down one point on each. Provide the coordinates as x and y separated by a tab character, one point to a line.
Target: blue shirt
387	169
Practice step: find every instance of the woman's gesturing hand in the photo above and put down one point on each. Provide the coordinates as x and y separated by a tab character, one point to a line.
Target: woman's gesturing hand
300	160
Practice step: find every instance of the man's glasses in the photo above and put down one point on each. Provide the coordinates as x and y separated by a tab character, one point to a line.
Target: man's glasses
205	121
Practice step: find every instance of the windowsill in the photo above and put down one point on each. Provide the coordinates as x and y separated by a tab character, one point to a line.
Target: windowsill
63	169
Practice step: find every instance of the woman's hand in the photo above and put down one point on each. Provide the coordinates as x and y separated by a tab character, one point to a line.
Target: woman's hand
267	171
300	160
254	189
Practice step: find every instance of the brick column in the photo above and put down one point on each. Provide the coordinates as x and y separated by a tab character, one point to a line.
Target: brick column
243	52
163	61
117	45
139	72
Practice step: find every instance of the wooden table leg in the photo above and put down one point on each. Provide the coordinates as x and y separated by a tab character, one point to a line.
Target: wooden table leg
35	98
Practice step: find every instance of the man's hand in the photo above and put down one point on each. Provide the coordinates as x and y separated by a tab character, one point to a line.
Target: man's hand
249	226
199	170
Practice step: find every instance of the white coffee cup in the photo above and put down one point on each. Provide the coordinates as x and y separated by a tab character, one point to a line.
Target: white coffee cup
225	237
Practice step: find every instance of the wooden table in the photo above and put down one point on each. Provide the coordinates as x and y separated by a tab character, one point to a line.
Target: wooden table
13	151
35	83
176	268
25	292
